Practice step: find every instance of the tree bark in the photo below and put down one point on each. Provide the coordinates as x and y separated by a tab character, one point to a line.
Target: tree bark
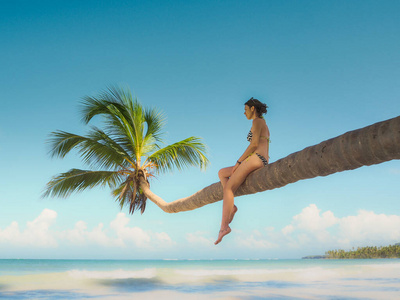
367	146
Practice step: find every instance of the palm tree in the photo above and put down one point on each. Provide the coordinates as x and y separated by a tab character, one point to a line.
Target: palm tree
370	145
125	153
133	156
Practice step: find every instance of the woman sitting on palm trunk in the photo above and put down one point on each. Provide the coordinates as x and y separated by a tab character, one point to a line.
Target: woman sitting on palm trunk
253	158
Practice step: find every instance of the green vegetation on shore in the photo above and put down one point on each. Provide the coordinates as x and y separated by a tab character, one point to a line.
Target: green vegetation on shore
314	257
391	251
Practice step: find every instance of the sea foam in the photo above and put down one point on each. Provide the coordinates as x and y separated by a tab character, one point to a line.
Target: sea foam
114	274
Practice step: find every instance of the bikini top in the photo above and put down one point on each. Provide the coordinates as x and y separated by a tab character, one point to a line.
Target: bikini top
250	137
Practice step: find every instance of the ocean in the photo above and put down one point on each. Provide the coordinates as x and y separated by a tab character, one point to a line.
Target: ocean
200	279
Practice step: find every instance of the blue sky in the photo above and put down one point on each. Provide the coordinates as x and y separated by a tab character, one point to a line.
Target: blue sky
323	68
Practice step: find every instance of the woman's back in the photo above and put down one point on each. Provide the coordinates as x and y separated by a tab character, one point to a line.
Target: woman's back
264	138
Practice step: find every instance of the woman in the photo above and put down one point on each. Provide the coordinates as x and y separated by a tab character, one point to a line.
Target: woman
255	157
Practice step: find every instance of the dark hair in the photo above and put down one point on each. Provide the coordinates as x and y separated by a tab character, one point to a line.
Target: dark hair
261	108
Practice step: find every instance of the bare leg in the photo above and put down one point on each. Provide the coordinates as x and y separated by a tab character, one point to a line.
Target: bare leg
224	175
234	210
227	208
230	186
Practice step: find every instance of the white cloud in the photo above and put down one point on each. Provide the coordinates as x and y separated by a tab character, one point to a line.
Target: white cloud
313	230
37	232
128	235
10	234
77	235
197	239
368	227
80	235
163	237
311	220
288	229
311	226
256	240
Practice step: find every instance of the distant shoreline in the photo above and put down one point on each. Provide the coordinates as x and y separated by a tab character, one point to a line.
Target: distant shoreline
314	257
327	258
369	252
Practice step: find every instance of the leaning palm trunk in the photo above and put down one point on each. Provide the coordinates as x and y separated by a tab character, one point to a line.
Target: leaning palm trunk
370	145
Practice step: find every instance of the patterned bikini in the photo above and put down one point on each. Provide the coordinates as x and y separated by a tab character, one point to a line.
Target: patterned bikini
263	159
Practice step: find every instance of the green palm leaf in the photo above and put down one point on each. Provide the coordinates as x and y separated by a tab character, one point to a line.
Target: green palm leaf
76	180
95	149
112	97
188	152
155	121
124	192
114	106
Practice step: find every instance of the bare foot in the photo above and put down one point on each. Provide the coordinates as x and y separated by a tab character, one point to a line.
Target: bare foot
222	233
233	213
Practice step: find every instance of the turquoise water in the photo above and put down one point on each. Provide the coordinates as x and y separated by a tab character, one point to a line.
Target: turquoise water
200	279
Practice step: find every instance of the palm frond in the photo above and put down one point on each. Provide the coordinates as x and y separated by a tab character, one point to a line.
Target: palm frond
110	142
128	193
76	180
97	148
136	118
155	121
149	145
188	152
134	199
114	105
116	192
138	201
112	97
123	192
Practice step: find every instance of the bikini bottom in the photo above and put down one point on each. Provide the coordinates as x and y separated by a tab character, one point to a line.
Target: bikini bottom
265	162
263	159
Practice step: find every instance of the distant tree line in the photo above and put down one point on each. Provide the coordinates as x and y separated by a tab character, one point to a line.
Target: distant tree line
391	251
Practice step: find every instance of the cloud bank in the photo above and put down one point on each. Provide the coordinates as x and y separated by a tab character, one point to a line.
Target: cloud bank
311	231
38	234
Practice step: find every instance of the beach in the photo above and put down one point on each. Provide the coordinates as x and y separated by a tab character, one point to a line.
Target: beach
200	279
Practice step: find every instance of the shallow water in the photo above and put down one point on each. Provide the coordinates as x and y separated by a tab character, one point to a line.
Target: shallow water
200	279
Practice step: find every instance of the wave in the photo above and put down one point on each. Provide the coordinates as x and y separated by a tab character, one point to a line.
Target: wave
316	280
223	272
303	274
190	275
182	275
114	274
